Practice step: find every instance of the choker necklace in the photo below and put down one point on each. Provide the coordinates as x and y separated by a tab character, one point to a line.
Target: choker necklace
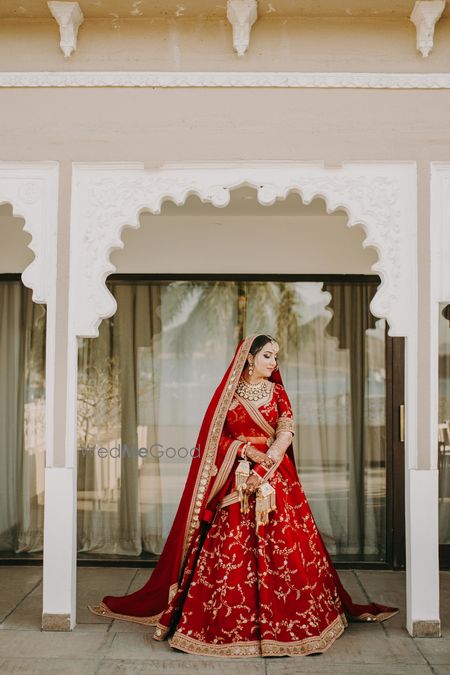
253	392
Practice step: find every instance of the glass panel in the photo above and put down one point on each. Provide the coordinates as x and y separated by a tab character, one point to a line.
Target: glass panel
444	424
147	380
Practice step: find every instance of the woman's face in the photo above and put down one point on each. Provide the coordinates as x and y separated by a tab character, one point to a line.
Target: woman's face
265	360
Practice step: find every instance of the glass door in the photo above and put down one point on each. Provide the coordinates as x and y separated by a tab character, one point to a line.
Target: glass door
144	385
157	362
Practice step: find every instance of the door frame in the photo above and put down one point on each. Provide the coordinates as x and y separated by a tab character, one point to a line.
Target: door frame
395	453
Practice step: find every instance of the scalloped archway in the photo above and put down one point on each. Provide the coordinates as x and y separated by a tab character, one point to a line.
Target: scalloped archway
108	198
32	190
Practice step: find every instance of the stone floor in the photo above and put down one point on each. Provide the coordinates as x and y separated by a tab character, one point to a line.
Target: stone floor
112	647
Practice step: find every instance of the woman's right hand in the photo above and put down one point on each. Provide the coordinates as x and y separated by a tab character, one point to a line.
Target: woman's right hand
256	455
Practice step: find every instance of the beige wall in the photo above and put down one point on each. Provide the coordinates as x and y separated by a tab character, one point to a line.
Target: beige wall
15	255
158	125
179	43
271	244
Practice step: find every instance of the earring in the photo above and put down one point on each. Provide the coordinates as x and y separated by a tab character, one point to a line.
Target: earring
250	368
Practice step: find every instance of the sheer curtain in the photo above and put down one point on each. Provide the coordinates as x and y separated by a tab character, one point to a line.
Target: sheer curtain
22	419
144	385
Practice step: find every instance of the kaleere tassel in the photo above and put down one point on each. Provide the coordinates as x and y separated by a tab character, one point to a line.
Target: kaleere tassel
265	503
242	473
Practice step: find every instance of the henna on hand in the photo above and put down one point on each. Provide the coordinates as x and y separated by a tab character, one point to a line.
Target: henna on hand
256	455
253	482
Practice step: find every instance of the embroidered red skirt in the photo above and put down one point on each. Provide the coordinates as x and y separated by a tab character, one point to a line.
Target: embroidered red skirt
246	594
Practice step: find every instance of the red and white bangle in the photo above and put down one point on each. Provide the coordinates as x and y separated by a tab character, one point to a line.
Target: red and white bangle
260	470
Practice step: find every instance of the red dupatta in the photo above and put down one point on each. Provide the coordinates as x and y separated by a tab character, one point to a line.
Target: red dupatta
146	604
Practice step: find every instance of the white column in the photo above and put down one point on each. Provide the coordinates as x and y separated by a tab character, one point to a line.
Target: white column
421	489
421	518
60	518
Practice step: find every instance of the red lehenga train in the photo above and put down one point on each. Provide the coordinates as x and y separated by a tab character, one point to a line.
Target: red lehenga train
225	587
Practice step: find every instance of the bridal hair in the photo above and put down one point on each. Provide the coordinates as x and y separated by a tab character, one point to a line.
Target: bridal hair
259	342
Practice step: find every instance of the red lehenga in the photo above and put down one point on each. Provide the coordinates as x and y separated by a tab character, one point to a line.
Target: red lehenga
223	585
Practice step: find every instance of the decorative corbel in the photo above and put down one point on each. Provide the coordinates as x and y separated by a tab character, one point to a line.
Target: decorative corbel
69	17
425	15
242	14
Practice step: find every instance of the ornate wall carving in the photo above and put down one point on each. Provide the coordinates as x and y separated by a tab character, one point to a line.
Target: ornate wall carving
288	79
32	190
380	197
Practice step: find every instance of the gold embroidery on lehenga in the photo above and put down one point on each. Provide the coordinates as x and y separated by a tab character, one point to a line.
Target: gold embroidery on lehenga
268	566
241	595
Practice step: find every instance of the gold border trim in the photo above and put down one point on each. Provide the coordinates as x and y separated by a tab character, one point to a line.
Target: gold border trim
225	468
230	498
104	611
263	647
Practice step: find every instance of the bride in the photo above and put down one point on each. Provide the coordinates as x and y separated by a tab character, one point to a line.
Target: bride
244	571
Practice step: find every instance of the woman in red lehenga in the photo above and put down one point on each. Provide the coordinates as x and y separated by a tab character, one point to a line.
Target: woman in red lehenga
244	571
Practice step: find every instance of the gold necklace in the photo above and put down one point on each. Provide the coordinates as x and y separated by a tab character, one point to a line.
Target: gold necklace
253	392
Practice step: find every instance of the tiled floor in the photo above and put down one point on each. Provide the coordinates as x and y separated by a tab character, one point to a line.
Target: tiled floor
112	647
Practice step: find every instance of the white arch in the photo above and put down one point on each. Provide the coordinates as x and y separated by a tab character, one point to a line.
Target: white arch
108	198
32	190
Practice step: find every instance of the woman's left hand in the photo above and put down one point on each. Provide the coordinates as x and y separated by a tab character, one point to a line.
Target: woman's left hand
252	483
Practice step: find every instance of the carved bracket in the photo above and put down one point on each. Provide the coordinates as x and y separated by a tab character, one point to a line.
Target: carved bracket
379	197
69	17
425	15
242	14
